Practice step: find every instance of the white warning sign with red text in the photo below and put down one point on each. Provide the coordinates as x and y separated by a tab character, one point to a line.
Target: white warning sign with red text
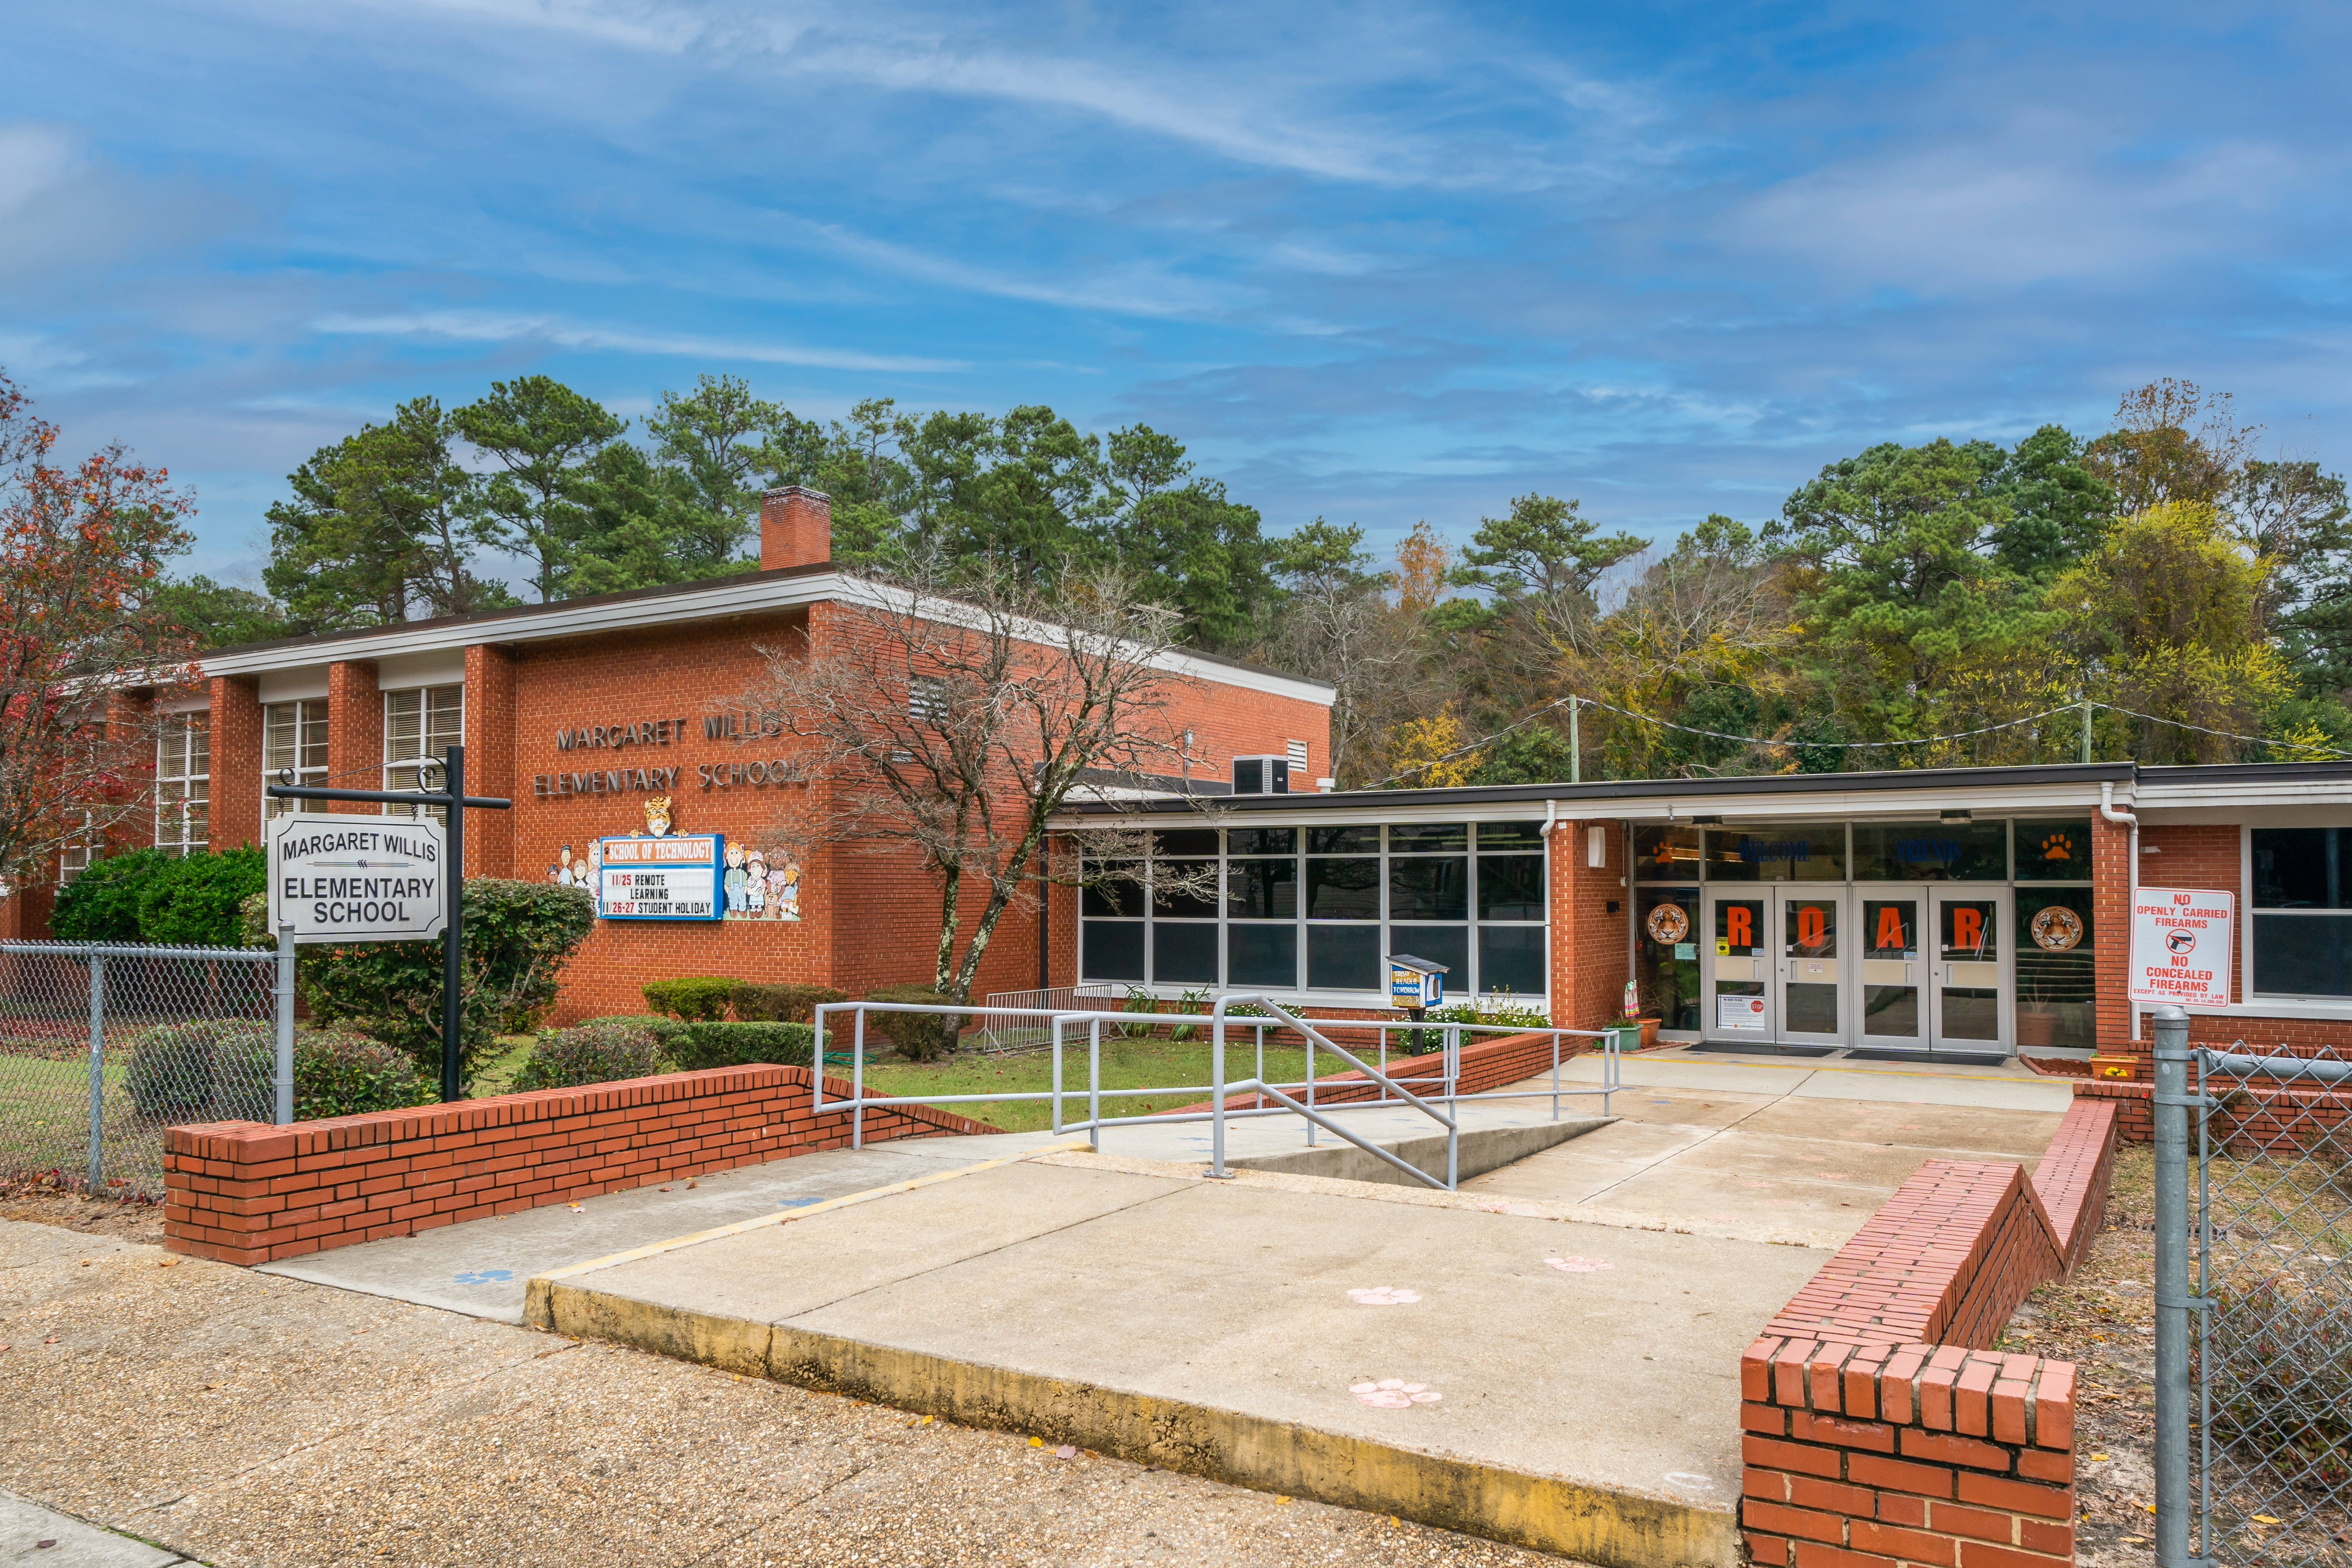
2180	946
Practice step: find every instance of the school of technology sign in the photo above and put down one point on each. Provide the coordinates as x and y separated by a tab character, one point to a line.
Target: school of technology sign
357	879
677	876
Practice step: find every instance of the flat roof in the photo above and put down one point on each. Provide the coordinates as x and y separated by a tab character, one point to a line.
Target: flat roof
2055	786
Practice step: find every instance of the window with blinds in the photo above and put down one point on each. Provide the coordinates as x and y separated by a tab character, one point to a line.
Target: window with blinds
182	783
293	743
418	727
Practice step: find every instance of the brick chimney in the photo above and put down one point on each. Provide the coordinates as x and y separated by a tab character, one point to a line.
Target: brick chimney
795	528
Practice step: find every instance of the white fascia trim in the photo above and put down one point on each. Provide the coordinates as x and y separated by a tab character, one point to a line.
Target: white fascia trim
2263	1007
1846	805
710	604
2227	795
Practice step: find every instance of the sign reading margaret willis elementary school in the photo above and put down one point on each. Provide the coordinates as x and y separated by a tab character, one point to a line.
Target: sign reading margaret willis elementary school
2180	946
357	879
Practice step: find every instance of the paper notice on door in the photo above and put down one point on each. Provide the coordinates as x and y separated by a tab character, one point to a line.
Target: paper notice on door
1739	1013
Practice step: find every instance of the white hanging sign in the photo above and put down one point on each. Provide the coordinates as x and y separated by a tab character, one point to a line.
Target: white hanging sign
349	878
2180	946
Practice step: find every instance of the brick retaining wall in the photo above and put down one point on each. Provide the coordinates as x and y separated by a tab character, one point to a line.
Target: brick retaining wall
247	1193
1879	1427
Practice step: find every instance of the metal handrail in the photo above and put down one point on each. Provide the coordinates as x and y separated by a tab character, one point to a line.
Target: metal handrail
1286	1101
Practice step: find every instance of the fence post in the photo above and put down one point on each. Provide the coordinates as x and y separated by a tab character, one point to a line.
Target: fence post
97	1074
286	1024
2170	1027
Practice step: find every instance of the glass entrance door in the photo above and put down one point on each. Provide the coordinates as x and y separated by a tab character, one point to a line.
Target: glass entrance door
1893	969
1809	946
1740	1000
1969	985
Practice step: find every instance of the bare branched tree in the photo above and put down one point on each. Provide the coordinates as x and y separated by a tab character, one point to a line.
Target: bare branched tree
957	714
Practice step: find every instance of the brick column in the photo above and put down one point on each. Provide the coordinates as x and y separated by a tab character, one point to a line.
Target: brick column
1560	898
2111	870
131	735
489	757
234	813
355	731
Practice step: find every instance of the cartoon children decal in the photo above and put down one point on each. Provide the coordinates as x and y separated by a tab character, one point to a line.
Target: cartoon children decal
565	873
735	878
755	883
784	887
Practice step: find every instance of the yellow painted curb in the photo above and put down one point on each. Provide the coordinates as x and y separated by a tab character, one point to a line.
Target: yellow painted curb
1550	1514
535	1293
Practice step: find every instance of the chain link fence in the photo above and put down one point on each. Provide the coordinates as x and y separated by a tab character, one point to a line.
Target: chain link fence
2262	1419
103	1047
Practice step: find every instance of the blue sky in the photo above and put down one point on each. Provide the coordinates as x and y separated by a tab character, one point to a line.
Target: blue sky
1376	262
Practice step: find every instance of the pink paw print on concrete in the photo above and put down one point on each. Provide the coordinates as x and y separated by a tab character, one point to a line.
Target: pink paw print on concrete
1394	1394
1755	1183
1384	1296
1833	1176
1496	1205
1573	1265
1816	1159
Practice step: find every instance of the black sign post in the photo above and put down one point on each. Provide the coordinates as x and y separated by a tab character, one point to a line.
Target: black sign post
454	800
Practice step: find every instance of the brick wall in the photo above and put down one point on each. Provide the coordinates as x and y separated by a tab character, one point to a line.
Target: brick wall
236	739
355	735
489	758
245	1193
1590	959
1878	1427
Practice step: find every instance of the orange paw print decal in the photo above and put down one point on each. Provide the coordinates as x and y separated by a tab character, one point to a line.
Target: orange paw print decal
2057	846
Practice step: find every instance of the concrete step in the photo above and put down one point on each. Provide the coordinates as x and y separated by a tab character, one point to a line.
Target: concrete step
1479	1150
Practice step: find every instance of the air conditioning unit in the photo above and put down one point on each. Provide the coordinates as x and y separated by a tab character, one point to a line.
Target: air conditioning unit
1261	775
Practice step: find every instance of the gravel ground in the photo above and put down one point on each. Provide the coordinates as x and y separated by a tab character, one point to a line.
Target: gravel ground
2104	1320
249	1420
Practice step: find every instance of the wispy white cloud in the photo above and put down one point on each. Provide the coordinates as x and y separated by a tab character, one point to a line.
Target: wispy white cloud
494	327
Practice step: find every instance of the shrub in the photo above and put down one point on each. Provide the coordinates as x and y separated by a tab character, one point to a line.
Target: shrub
603	1050
519	937
722	1044
102	903
690	998
339	1072
196	901
207	1069
920	1036
792	1003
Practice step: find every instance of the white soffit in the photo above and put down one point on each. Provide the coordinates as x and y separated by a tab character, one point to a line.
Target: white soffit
442	667
287	685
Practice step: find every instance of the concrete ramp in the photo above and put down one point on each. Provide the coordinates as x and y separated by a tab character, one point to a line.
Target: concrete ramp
1561	1385
1477	1150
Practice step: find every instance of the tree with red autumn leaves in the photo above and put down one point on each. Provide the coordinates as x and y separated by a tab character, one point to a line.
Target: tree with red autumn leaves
81	551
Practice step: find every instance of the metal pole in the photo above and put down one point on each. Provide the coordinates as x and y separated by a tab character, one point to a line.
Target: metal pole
286	1024
1217	1097
1094	1083
1310	1090
1058	1077
857	1081
2170	1027
1452	1109
452	788
1575	743
97	1074
2086	729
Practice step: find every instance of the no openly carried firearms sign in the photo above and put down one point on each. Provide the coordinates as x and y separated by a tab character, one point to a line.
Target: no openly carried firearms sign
2180	946
357	879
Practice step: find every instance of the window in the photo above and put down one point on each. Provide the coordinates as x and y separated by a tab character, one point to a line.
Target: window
74	858
1316	908
2302	911
1931	852
418	727
294	743
182	783
1776	852
926	700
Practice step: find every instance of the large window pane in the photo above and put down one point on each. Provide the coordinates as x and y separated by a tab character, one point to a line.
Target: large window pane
1511	958
1668	854
2055	850
1185	841
1173	882
1420	837
1435	887
1343	958
1448	945
1931	851
1777	852
1510	888
2056	995
1262	890
1665	954
1113	887
1343	840
1184	952
1343	890
1262	955
1113	950
1262	841
1510	836
2301	868
2303	955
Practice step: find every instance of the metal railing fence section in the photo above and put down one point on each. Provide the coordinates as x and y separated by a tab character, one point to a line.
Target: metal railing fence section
1290	1097
1026	1021
103	1047
2253	1367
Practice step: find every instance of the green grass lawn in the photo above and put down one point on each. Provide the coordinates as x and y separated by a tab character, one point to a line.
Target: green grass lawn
1179	1066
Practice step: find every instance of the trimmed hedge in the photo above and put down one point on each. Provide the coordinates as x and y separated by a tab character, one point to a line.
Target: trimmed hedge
712	1044
692	996
920	1036
603	1050
339	1072
205	1070
147	896
789	1003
